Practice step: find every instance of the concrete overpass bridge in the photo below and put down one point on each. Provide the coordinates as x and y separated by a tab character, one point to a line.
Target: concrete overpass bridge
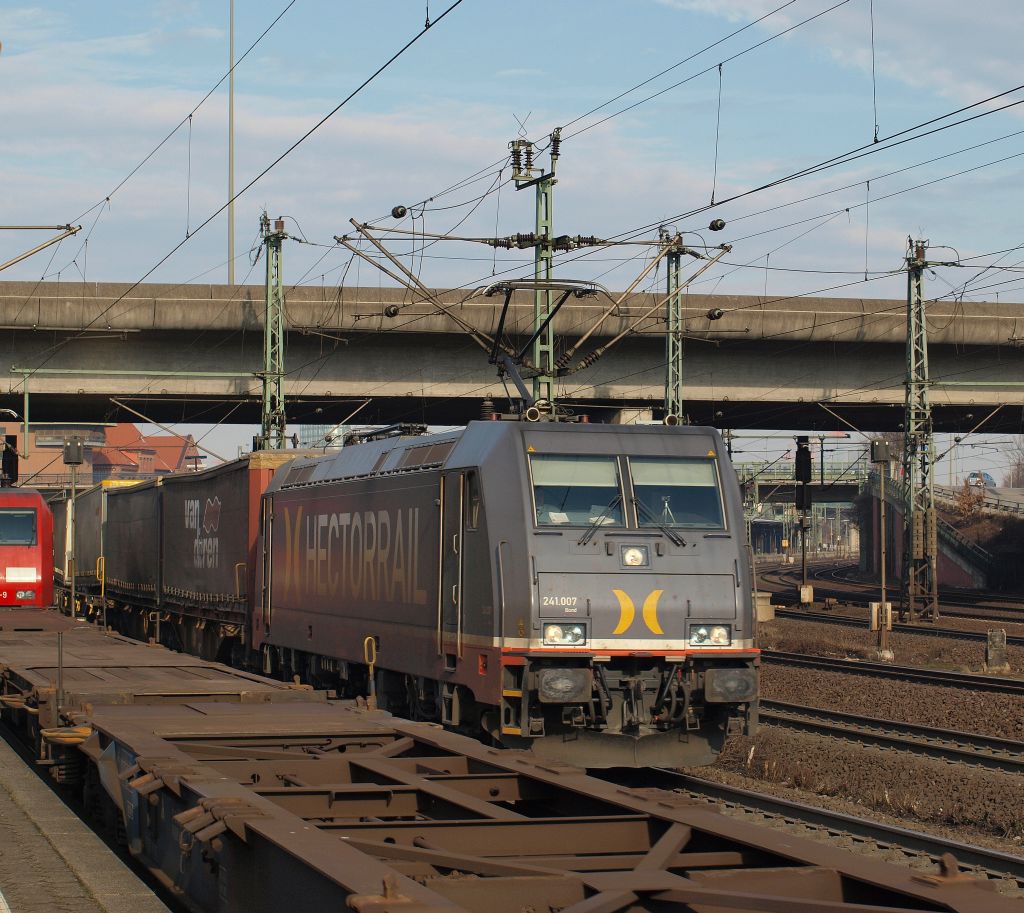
192	353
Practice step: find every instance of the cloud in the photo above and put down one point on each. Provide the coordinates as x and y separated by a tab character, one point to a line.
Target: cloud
910	48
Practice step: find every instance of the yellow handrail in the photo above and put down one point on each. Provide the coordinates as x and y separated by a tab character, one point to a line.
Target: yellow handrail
101	573
370	658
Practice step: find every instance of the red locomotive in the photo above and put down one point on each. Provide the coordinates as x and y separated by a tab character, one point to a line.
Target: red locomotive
26	549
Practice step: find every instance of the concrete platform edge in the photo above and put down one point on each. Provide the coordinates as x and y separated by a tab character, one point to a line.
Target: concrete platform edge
114	887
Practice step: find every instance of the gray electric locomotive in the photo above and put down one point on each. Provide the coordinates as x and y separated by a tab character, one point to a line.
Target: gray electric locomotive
580	590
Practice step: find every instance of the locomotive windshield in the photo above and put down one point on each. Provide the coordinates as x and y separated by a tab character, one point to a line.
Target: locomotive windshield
576	490
17	527
677	492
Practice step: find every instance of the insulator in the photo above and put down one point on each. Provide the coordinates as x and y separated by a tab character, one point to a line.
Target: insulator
486	408
399	212
517	160
556	144
715	314
525	239
564	242
529	157
717	225
564	359
391	310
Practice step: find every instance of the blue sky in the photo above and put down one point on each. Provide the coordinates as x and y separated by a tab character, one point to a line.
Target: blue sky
90	89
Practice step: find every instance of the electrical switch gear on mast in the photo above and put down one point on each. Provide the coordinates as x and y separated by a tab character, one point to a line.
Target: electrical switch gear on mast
920	533
272	416
523	174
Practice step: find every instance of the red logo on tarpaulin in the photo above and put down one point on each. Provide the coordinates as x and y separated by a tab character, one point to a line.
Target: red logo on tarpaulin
211	515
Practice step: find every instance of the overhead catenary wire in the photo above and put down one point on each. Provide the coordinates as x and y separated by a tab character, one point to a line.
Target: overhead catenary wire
846	158
486	170
874	86
261	174
188	117
709	69
718	127
900	137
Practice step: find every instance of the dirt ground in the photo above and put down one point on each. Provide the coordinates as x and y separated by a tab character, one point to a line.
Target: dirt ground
1000	715
911	790
960	802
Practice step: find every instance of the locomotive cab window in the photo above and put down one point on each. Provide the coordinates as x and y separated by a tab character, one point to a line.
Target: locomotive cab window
677	492
17	527
576	490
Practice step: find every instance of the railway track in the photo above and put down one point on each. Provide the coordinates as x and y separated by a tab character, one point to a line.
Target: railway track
963	680
866	834
952	605
851	621
209	771
944	744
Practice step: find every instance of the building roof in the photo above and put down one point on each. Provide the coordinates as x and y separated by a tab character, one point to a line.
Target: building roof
126	447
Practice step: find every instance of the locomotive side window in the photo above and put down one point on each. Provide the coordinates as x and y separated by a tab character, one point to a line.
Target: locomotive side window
576	490
17	527
677	492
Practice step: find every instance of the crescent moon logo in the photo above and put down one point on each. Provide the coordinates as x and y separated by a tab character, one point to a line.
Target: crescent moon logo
650	611
627	610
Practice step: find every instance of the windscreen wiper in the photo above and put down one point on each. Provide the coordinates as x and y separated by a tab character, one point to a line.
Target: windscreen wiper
675	538
588	535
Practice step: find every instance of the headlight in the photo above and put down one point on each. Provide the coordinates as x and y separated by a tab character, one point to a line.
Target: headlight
635	556
25	594
730	686
711	635
564	686
565	635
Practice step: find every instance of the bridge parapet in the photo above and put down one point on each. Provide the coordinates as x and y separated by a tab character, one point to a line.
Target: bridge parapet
949	536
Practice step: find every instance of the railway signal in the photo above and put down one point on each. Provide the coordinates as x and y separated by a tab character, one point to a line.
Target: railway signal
802	475
881	612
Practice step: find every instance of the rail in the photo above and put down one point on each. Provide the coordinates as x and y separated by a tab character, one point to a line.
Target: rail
917	674
364	811
993	862
850	621
944	744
